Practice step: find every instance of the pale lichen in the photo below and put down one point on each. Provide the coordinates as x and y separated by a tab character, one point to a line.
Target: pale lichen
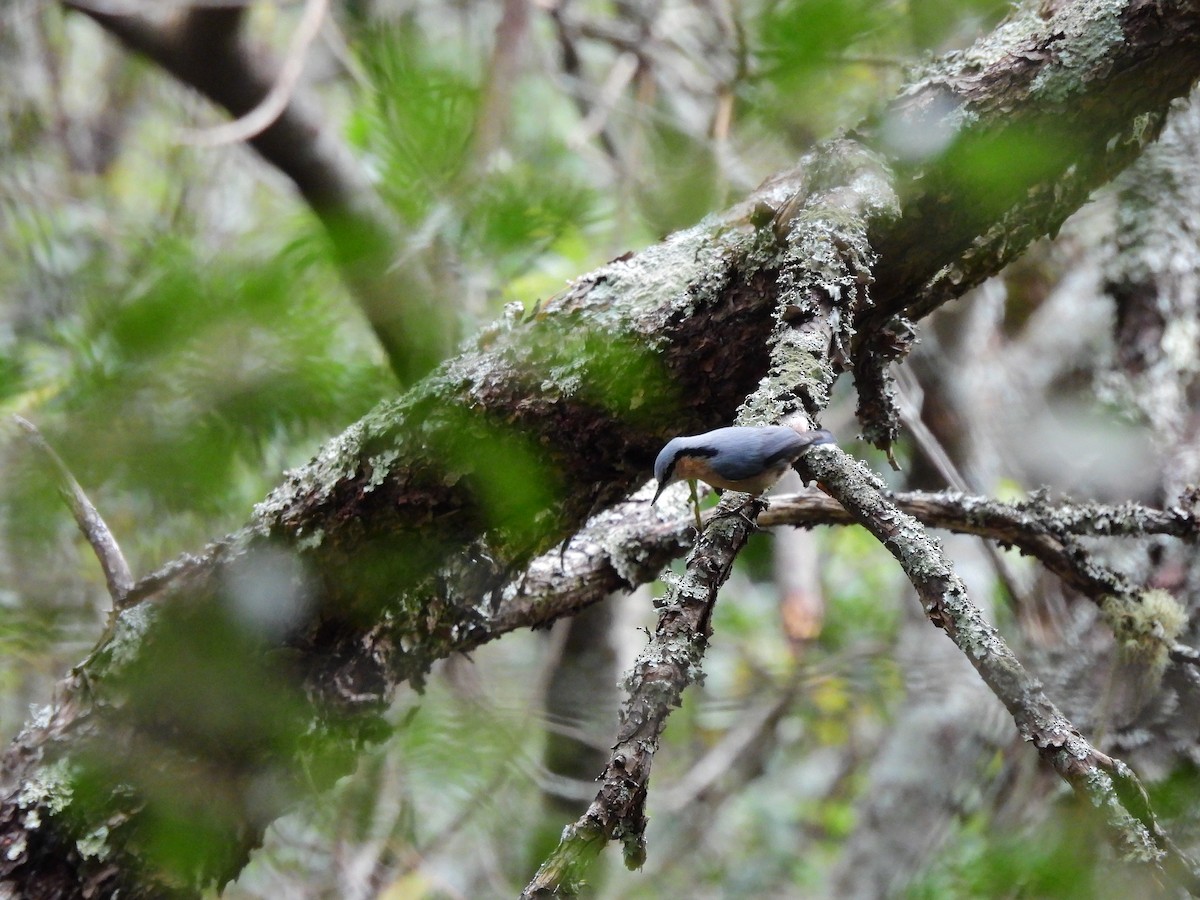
94	844
310	540
17	849
381	467
1145	627
1090	31
50	787
128	635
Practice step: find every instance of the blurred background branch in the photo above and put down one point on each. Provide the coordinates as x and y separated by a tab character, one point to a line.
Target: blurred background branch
205	49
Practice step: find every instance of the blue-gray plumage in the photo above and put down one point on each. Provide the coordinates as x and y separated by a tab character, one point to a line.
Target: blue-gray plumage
742	458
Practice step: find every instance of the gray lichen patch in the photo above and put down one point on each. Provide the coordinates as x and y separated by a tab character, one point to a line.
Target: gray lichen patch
128	636
50	787
94	844
1088	34
336	461
1064	52
824	268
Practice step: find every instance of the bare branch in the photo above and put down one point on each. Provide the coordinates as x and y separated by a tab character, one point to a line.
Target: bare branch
117	574
508	52
204	50
271	106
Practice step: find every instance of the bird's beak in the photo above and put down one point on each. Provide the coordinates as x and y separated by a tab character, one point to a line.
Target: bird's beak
661	487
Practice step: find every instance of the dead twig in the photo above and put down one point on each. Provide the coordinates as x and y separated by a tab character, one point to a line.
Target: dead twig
271	107
117	574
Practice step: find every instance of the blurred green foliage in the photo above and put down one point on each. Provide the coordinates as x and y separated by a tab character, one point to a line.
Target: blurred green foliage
859	573
508	475
419	122
822	63
797	37
685	182
1062	858
198	366
990	172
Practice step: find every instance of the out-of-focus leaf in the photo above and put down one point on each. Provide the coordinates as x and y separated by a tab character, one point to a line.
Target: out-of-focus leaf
419	120
522	210
201	364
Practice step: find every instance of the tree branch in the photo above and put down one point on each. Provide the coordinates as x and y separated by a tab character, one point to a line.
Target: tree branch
828	255
670	662
271	107
1107	784
965	192
628	545
117	574
203	49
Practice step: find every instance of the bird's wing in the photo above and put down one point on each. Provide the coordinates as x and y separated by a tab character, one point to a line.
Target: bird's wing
764	448
781	443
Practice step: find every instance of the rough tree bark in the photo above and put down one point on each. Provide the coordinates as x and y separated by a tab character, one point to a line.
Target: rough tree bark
395	544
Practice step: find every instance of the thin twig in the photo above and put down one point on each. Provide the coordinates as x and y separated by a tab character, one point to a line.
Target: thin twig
748	737
508	56
271	106
909	406
117	574
572	67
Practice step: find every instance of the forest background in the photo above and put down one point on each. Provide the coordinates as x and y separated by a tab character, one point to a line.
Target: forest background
352	242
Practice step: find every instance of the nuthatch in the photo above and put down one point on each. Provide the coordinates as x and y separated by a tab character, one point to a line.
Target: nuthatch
749	459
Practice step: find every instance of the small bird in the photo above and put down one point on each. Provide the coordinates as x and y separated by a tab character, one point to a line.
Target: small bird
741	458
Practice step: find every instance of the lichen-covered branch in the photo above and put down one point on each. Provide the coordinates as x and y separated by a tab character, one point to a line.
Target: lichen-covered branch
1043	70
1105	783
825	273
629	544
1012	522
664	668
1045	530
